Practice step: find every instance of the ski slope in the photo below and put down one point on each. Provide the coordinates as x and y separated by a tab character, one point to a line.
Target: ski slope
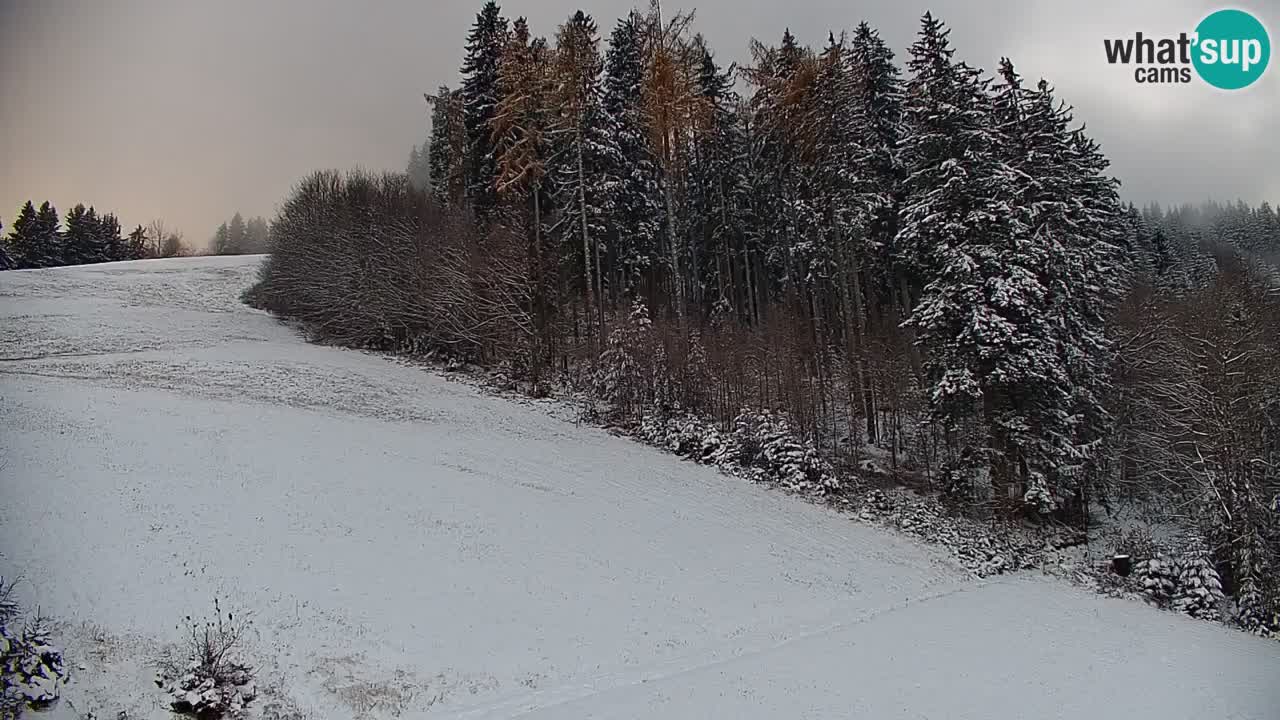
410	547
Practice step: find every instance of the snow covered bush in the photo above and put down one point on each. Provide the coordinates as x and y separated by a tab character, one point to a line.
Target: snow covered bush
1138	543
31	667
765	440
1256	606
1157	577
621	376
1199	592
761	447
1039	495
985	548
214	683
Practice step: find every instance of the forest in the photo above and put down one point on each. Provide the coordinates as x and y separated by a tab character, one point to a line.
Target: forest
832	255
39	238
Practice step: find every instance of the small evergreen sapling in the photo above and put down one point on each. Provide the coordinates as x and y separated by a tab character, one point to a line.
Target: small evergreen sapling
1199	591
1157	577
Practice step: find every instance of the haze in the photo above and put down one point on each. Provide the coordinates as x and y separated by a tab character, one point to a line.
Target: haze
190	111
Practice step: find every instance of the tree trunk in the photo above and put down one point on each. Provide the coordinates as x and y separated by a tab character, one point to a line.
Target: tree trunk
864	378
673	250
588	281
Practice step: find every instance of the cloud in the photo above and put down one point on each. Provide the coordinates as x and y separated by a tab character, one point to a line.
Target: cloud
190	111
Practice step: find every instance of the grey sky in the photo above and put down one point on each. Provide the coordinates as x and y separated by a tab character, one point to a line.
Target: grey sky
189	109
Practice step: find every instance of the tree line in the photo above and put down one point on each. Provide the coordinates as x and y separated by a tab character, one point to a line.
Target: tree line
40	238
240	237
934	263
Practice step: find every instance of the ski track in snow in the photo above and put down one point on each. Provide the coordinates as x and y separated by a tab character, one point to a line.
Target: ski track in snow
408	546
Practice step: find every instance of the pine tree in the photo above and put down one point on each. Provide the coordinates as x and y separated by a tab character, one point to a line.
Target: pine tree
621	375
1158	578
24	239
418	168
221	244
1062	321
257	234
136	246
675	113
49	241
1253	611
1199	586
715	191
876	117
237	235
784	215
635	208
522	126
1100	273
79	237
980	317
109	240
95	248
863	113
6	263
852	206
446	155
485	45
522	122
583	148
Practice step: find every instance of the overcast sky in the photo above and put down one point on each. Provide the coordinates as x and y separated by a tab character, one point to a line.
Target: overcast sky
189	110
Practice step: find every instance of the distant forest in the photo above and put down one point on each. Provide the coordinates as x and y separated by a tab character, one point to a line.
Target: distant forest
40	238
855	258
238	237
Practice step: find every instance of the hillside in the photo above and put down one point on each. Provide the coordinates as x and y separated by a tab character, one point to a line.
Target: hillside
410	547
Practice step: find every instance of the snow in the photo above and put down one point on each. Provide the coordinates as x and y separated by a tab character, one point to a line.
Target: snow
408	546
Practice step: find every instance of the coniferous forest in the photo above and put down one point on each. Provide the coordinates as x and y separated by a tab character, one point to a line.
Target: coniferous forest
830	259
39	238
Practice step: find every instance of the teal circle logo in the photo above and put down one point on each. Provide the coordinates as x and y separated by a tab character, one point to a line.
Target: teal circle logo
1232	49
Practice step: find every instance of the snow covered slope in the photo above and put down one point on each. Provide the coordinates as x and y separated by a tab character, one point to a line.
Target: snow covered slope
410	547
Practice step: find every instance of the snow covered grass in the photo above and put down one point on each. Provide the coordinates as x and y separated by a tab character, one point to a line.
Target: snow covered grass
409	546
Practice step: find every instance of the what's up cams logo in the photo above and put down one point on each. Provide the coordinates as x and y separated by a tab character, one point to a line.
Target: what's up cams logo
1230	50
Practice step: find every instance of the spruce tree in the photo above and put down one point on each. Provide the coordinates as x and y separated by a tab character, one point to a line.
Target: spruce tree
1035	145
79	236
781	139
635	208
237	235
95	248
24	239
1199	591
257	235
853	198
136	245
109	240
418	168
980	315
6	263
446	153
1100	253
522	127
49	242
715	191
674	113
484	50
876	117
582	150
221	244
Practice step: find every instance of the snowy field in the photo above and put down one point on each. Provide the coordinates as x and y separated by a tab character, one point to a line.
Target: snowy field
410	547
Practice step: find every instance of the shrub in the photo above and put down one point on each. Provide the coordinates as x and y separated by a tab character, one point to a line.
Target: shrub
215	683
31	667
